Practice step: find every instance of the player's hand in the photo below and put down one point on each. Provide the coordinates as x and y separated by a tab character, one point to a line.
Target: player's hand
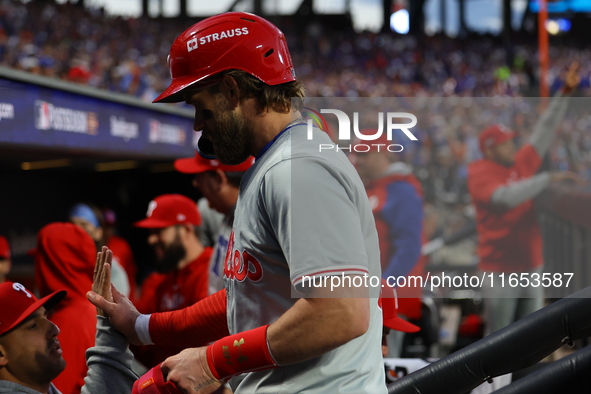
101	281
120	312
559	176
190	372
572	79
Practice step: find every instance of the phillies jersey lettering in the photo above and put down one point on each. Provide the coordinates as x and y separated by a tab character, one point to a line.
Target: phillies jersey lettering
241	265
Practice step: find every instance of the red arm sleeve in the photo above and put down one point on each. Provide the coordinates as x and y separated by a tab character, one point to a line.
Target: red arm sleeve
197	325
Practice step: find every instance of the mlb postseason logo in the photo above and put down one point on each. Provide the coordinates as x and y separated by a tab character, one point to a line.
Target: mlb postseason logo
344	133
51	117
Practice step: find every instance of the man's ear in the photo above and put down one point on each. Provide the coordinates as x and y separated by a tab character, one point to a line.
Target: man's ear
230	89
222	179
3	356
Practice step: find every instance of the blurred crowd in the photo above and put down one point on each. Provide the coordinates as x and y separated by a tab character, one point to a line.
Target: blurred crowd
128	55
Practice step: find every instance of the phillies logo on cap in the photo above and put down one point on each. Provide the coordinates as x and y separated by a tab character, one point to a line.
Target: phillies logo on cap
151	207
18	287
504	129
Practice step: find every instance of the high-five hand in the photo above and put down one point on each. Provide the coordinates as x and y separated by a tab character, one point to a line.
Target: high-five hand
101	284
109	301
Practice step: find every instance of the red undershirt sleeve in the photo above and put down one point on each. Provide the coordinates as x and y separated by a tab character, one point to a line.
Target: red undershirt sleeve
194	326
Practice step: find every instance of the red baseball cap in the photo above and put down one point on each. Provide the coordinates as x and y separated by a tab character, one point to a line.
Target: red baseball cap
152	382
4	248
170	209
18	303
389	303
199	164
494	135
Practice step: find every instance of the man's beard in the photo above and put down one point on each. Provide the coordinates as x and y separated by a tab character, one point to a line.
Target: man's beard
173	254
49	368
232	141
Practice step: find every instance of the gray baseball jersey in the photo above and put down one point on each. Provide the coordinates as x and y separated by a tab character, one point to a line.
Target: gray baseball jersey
216	263
211	221
302	212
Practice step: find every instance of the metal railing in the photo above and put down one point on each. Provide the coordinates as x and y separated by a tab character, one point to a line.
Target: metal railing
565	222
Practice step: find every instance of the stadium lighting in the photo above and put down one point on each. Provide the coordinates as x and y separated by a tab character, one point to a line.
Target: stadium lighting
552	27
556	26
564	24
400	22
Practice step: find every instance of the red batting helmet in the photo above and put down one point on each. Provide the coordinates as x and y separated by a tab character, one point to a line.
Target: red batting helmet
234	40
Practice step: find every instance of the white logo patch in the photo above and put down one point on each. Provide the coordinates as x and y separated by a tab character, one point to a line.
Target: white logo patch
180	217
151	206
19	287
192	44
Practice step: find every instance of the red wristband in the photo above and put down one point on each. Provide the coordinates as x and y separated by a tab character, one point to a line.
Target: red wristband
243	352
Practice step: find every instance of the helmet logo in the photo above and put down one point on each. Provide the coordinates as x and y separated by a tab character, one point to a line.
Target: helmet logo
192	44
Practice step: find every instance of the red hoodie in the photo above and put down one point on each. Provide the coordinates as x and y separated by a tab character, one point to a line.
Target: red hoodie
65	260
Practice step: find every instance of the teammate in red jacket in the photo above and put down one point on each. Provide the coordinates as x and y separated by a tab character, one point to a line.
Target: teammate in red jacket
65	260
182	265
502	186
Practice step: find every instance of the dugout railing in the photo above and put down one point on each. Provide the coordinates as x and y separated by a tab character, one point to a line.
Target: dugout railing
565	222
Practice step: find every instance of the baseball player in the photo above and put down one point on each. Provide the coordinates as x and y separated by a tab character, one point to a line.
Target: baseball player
182	264
219	185
502	186
299	213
